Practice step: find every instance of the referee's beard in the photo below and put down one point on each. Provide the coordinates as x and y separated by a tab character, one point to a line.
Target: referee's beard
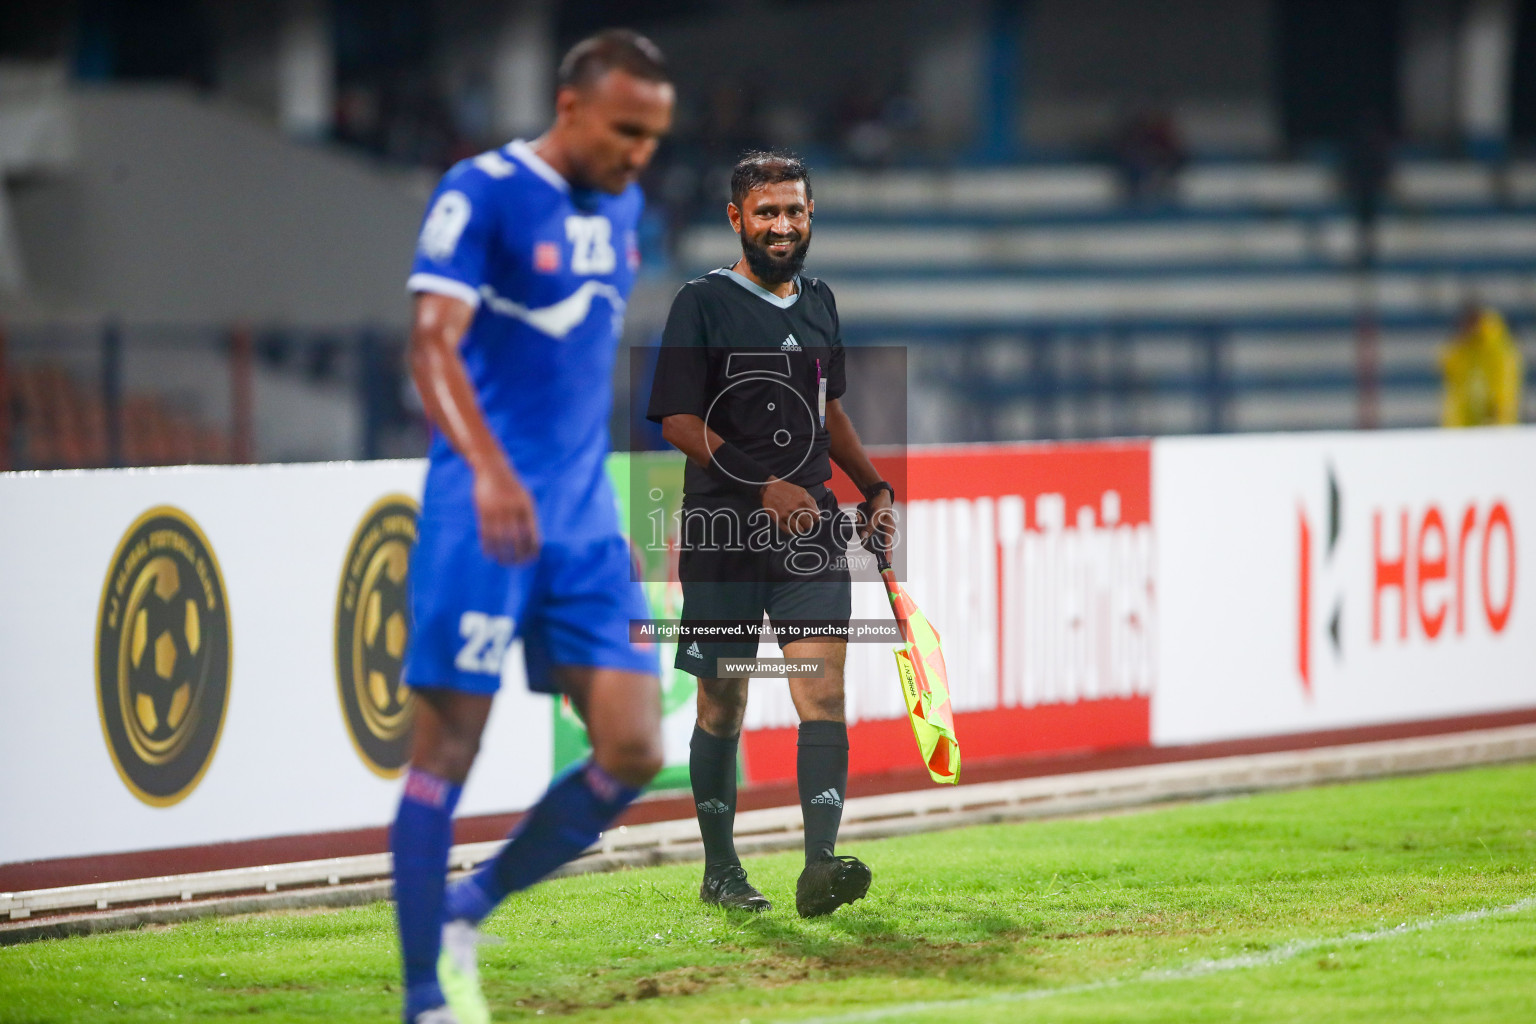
772	269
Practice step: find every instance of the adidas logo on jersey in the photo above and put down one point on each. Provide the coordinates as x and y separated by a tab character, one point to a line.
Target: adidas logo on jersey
714	807
828	796
790	344
694	652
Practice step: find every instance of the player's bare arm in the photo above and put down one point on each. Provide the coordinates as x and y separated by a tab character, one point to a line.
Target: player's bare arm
509	526
791	506
848	452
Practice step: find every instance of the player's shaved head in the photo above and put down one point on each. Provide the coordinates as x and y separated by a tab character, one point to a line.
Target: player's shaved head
614	49
765	167
612	108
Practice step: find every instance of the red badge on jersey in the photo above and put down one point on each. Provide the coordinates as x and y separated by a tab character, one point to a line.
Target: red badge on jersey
546	257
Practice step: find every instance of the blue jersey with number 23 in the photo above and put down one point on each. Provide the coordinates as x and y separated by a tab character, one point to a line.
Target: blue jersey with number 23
549	268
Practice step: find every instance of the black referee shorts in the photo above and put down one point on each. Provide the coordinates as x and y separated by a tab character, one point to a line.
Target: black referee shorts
801	582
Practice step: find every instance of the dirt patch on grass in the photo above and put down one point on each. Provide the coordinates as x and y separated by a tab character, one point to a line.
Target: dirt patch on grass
1060	936
263	990
782	970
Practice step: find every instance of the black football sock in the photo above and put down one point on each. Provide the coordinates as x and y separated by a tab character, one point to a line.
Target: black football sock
822	769
712	770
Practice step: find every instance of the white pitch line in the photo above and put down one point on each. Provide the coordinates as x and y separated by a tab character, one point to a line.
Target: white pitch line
1198	969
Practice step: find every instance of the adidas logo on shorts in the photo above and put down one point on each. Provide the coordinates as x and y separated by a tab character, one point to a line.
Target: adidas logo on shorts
790	344
694	652
828	796
714	807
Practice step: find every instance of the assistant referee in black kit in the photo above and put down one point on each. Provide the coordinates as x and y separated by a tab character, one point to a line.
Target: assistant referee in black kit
748	386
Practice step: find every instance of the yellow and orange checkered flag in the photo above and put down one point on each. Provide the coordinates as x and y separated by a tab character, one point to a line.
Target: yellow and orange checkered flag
924	681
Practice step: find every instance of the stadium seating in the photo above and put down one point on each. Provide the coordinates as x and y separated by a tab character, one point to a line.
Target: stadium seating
60	422
1044	302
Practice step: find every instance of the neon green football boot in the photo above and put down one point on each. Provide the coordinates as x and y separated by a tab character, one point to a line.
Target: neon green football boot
458	973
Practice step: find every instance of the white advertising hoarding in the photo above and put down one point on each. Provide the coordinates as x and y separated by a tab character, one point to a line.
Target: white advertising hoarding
79	758
201	656
1323	581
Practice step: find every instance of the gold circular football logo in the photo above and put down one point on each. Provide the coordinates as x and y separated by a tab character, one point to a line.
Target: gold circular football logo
372	628
163	656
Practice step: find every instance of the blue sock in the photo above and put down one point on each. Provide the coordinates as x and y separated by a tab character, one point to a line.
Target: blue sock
419	839
568	818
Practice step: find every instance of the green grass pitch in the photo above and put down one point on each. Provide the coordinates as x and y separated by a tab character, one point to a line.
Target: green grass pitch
1408	899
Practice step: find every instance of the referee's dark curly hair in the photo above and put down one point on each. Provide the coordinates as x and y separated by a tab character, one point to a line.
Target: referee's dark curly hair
767	167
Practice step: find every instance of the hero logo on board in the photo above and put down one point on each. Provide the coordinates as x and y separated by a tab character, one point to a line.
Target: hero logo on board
1436	571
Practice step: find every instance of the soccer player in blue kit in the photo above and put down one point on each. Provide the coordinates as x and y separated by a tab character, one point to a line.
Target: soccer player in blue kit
525	260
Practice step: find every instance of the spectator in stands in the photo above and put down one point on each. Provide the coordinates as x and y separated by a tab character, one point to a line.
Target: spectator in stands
1482	369
731	120
1367	175
871	122
1150	152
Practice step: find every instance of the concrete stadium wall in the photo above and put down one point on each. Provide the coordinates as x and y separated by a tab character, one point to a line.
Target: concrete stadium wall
1117	596
175	210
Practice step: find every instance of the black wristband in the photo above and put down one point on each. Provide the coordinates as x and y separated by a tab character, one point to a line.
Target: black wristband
878	486
737	470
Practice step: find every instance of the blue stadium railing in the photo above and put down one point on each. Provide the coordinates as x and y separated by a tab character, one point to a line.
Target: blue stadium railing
366	366
1051	378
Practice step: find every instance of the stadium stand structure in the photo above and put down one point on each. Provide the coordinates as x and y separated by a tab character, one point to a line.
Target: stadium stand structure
59	421
1039	301
1042	303
171	220
189	394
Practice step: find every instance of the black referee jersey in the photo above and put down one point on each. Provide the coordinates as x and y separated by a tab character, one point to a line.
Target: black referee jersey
758	369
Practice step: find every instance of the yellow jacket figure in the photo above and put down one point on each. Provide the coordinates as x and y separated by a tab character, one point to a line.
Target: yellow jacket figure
1483	370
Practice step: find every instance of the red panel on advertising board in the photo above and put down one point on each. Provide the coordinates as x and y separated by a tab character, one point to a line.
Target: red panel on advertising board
887	744
1077	476
1080	473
